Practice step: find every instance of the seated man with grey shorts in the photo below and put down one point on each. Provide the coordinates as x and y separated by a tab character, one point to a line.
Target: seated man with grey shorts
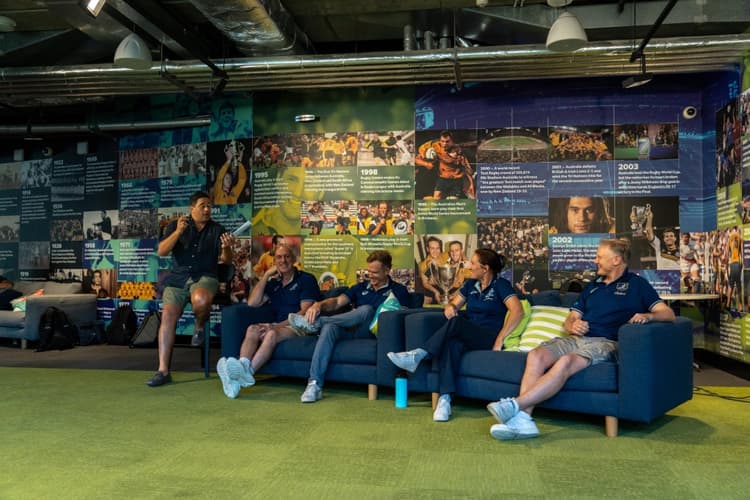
198	244
616	297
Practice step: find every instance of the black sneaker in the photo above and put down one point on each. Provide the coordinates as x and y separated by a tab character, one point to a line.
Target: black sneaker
158	379
198	337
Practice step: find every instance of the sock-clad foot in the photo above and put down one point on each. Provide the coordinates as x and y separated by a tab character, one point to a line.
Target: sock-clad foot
442	411
312	393
408	360
158	379
521	426
240	372
504	410
198	337
231	387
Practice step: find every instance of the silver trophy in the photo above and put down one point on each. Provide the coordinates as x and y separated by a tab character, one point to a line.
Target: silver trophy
446	275
638	215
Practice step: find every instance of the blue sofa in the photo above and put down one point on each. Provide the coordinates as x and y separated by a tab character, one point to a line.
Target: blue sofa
653	375
359	360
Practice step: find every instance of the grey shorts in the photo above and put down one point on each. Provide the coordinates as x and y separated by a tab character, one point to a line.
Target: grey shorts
595	349
181	296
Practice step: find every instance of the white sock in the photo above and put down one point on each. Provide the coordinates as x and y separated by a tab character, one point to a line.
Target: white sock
246	363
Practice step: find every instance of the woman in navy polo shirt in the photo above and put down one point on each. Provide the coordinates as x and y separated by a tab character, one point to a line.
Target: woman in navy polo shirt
483	325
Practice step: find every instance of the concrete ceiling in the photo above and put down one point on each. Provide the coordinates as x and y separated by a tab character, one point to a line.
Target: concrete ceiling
58	54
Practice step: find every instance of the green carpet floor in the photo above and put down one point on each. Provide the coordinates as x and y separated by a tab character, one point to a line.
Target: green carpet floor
104	434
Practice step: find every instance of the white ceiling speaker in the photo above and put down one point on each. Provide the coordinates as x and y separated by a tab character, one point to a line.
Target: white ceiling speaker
566	34
7	24
133	53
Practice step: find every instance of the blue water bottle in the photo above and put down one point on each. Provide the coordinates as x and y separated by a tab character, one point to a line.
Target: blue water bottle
402	390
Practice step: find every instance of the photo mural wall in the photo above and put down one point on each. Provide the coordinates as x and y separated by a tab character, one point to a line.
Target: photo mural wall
428	173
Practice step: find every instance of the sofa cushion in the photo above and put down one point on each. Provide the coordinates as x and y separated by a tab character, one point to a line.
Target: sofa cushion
60	288
354	351
513	339
49	287
12	319
508	366
390	303
19	304
545	323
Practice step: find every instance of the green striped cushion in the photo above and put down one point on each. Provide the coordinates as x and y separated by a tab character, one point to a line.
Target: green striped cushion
545	323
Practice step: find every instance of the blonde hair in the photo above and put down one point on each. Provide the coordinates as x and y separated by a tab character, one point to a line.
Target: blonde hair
618	246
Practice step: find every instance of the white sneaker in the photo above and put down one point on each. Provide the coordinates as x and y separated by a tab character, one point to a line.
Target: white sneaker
231	387
443	409
238	372
312	393
299	324
503	410
521	426
407	360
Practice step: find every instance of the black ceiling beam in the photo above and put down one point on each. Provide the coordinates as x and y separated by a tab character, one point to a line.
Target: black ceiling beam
637	53
181	34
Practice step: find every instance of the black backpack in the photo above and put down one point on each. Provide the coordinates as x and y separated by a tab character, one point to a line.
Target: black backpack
148	332
122	327
56	331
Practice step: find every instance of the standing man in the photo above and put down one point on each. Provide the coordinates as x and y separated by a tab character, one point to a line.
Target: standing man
666	249
427	163
287	290
616	297
365	298
198	244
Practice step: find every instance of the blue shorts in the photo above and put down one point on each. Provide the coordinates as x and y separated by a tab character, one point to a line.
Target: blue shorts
595	349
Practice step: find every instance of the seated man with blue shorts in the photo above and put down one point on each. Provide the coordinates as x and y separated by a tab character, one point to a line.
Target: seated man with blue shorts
616	297
287	290
197	244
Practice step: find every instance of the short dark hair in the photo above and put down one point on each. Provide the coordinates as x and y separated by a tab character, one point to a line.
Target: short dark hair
275	238
434	238
382	256
197	196
490	258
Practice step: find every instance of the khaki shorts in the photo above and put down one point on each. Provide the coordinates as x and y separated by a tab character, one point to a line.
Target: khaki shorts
595	349
181	296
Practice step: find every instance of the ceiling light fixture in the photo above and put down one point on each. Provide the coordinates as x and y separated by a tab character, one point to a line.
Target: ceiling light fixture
566	34
638	80
7	24
94	6
133	53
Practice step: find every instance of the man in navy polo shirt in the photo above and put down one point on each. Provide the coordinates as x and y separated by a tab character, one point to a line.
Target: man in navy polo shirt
197	244
616	297
288	290
365	298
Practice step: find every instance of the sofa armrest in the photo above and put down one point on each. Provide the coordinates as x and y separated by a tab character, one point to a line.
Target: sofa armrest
234	322
655	368
418	328
79	307
391	337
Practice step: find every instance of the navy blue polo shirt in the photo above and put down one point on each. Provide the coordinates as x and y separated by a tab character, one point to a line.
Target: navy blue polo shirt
287	299
195	254
364	294
606	307
487	308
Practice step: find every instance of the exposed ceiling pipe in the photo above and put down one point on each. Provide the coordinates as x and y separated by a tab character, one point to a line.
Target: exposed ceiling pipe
57	85
638	53
75	128
257	27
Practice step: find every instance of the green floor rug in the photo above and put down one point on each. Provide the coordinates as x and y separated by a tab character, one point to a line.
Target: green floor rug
104	434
